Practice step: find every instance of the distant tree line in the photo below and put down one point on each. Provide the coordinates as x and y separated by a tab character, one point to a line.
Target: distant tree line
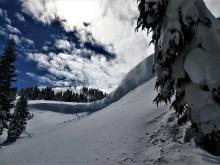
84	95
13	120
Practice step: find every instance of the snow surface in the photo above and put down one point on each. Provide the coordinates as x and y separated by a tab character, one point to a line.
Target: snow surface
44	121
131	131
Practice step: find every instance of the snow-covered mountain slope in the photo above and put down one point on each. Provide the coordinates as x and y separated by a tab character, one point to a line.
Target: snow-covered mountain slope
45	121
131	131
137	76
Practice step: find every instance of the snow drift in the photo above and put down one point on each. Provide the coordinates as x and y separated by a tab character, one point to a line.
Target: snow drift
137	76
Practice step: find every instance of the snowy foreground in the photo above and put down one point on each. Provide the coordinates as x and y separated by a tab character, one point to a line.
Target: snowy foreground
129	131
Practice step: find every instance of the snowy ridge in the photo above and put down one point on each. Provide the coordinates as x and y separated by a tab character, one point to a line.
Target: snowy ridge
137	76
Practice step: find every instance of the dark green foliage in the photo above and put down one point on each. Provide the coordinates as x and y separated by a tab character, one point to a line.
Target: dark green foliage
157	16
19	120
171	34
211	143
216	94
7	78
150	18
85	95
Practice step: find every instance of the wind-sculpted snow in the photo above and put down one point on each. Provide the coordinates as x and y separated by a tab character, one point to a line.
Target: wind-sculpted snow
137	76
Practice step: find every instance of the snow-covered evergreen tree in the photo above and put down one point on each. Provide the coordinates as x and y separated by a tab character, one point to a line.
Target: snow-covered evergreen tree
19	120
7	77
187	62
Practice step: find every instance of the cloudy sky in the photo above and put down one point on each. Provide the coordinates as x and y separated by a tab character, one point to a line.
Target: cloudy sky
75	42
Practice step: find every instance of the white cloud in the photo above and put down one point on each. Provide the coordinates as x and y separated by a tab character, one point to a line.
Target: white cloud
76	12
44	11
45	48
12	29
20	17
19	40
4	14
116	27
97	72
8	20
31	74
72	13
112	25
42	59
63	44
48	79
3	32
28	41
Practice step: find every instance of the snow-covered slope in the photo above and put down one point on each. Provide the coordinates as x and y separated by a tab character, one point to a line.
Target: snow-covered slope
45	121
131	131
137	76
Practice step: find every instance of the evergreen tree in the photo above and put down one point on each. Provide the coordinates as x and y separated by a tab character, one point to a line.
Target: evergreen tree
180	30
19	120
85	94
7	77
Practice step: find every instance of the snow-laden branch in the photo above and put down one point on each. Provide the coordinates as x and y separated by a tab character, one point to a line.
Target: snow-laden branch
187	60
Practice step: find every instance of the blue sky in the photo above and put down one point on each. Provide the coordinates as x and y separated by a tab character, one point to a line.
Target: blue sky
74	42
